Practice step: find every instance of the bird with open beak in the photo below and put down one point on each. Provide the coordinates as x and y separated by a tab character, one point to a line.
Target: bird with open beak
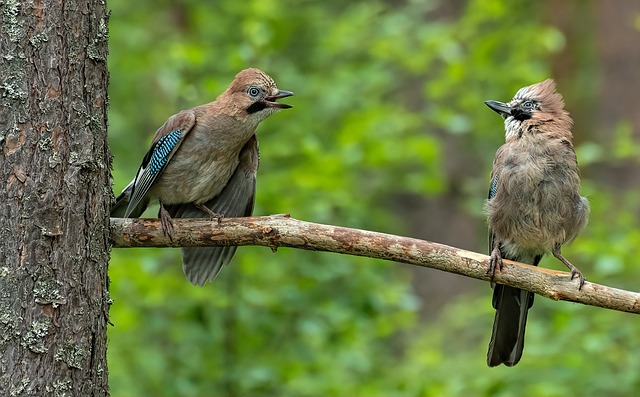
203	163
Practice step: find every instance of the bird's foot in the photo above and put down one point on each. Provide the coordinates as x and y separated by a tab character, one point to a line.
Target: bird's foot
212	214
165	221
495	261
575	273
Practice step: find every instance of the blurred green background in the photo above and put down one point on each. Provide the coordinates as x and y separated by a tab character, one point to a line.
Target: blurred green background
389	133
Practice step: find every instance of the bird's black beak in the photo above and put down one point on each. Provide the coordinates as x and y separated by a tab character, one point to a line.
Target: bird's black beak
501	108
271	99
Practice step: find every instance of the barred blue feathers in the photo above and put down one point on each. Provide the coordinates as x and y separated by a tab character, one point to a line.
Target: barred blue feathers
160	154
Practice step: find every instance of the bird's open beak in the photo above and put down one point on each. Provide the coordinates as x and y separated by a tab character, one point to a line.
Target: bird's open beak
501	108
271	99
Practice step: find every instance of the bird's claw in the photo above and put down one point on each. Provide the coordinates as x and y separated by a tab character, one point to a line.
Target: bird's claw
495	262
212	214
577	273
574	270
165	221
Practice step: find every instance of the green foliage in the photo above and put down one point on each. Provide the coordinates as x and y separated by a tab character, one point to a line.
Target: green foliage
380	86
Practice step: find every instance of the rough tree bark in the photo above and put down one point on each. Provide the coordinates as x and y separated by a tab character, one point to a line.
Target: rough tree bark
55	165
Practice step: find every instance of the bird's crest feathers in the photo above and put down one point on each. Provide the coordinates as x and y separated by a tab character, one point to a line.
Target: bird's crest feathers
538	106
251	76
544	93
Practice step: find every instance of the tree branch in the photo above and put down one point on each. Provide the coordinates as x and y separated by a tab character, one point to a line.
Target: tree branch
283	231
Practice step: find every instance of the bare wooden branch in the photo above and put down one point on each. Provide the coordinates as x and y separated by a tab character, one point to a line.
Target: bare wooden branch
283	231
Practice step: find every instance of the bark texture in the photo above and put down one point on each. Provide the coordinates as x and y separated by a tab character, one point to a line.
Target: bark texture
55	164
282	231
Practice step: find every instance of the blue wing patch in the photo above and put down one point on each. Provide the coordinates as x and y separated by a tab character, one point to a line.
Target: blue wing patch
161	151
153	164
493	188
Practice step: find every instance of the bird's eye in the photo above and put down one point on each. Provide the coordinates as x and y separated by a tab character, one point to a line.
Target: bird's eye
253	91
528	105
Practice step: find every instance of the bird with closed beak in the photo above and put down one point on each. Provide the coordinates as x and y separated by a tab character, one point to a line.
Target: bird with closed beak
534	204
203	163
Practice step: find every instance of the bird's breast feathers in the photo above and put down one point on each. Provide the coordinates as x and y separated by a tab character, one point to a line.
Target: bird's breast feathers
185	182
536	194
203	164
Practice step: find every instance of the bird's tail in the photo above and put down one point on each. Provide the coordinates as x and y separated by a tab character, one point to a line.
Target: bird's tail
120	208
507	337
202	264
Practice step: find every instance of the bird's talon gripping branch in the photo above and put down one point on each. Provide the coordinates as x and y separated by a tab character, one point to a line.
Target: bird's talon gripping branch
574	270
495	262
212	214
576	273
165	221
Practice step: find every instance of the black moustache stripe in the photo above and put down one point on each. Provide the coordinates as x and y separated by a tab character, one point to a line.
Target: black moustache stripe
256	107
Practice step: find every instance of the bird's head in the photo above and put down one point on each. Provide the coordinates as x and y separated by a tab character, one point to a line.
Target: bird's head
256	94
534	105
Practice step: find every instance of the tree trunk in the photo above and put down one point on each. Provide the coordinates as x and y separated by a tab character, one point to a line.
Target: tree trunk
55	164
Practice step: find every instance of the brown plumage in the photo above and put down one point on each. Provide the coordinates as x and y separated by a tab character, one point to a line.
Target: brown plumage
534	204
203	161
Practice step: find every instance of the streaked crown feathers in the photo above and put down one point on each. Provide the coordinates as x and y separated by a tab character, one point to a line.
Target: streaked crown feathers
252	76
544	93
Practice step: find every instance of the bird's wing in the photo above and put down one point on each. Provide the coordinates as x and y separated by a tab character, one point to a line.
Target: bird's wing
119	209
493	188
202	264
168	139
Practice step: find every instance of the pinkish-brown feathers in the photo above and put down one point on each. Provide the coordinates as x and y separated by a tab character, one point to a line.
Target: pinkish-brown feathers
551	117
251	76
534	206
